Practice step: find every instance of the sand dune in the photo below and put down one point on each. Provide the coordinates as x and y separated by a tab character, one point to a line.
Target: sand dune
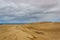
33	31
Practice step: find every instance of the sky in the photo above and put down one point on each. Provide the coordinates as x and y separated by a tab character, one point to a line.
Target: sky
28	11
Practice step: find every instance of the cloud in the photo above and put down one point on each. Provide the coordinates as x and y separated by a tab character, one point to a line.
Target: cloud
26	11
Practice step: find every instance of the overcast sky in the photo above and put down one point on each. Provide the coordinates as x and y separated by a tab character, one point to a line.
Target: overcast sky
27	11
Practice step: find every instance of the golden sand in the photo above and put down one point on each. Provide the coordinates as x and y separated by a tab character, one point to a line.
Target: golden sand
33	31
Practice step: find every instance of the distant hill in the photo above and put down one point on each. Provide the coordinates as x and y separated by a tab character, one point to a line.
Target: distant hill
32	31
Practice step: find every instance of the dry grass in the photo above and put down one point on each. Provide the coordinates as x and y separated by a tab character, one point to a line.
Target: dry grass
33	31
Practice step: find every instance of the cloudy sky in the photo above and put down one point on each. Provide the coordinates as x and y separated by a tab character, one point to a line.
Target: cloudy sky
27	11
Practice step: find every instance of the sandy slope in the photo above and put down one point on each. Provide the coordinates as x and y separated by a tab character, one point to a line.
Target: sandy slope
34	31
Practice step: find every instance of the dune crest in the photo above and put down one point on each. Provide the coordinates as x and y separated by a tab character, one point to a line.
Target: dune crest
33	31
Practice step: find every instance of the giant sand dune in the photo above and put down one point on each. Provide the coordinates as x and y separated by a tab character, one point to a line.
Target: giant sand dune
33	31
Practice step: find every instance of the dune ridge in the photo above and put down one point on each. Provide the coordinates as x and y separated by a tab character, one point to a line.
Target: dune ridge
32	31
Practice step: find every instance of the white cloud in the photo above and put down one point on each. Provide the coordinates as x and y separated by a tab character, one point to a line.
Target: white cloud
29	10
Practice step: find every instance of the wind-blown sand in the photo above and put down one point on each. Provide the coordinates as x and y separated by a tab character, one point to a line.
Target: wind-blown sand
33	31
